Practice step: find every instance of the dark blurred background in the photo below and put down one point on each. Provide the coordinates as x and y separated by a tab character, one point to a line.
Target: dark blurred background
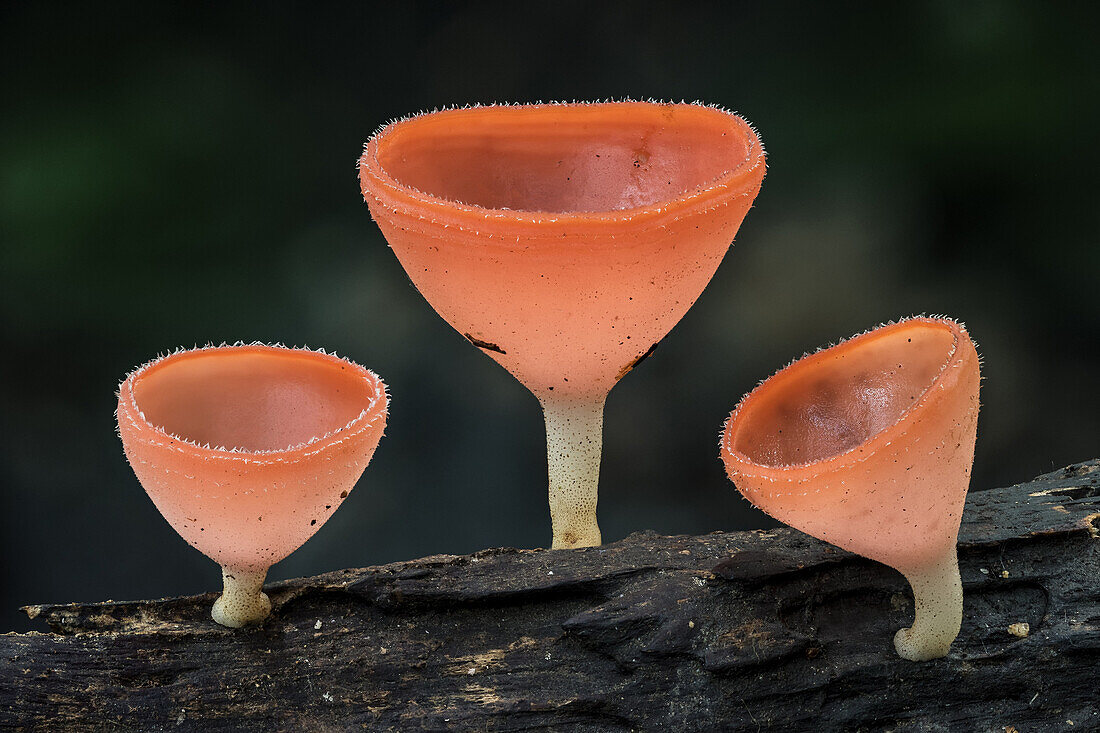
176	174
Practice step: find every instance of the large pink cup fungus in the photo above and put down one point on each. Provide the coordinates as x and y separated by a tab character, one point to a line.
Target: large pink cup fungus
564	241
247	451
869	445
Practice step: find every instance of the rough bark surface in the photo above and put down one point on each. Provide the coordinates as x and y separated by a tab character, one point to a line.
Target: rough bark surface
731	631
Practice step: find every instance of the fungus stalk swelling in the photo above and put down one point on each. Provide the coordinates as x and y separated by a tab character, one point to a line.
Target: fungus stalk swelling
242	600
869	445
564	241
247	451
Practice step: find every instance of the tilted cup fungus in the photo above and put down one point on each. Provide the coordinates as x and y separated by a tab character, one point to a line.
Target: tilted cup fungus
565	241
247	451
869	445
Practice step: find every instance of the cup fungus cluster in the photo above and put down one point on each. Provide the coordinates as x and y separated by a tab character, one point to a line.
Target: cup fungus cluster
869	445
247	451
564	241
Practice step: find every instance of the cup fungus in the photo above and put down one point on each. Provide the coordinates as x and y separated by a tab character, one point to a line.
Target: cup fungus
247	450
564	241
869	445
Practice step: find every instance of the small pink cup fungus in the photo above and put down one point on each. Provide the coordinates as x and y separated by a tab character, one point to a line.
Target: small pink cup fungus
247	450
869	445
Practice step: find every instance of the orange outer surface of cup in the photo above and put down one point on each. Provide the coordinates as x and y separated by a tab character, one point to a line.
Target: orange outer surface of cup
896	498
568	301
248	510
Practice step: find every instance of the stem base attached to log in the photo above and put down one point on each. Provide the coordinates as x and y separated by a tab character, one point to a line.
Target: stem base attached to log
938	603
242	600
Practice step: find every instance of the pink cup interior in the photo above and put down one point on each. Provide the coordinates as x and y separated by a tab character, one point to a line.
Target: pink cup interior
253	401
825	406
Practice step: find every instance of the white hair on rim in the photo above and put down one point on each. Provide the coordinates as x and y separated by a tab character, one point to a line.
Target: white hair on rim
934	318
245	454
701	191
560	103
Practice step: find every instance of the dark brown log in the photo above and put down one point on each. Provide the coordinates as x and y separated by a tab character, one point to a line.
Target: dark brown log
729	631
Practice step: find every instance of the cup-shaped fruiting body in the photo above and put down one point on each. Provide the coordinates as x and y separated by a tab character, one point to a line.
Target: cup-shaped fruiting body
247	450
565	241
869	445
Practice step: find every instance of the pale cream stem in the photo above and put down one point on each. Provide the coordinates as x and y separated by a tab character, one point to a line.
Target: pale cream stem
242	601
574	441
938	602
